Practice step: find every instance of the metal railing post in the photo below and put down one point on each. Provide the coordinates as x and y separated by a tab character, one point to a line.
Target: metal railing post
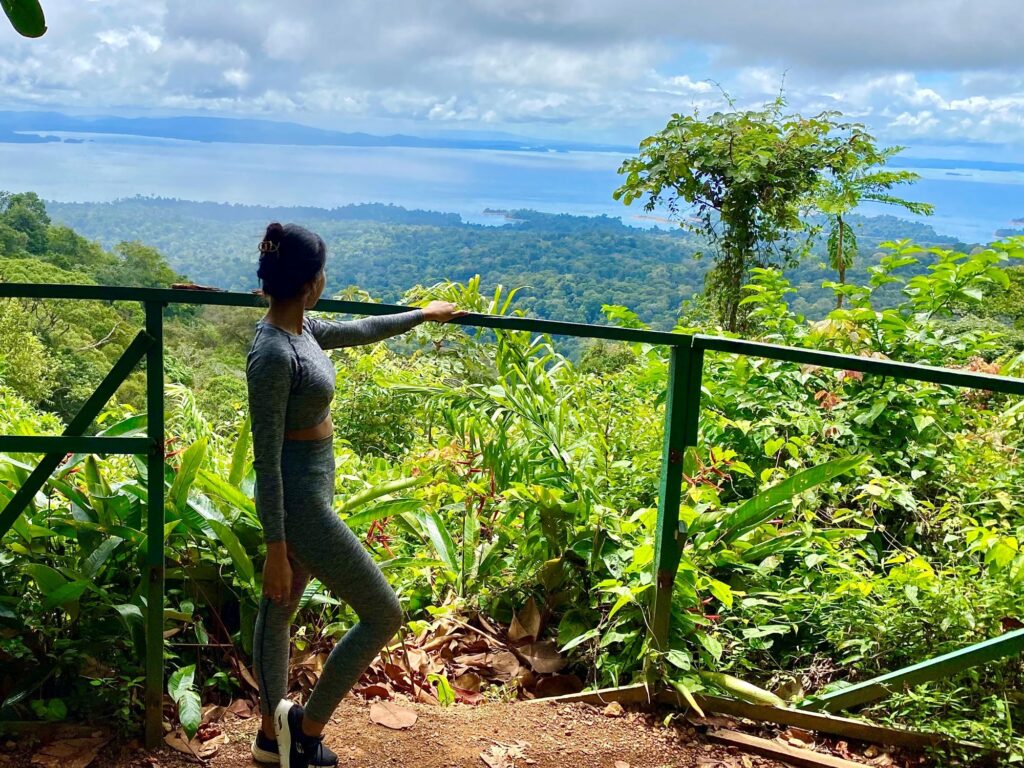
682	408
155	525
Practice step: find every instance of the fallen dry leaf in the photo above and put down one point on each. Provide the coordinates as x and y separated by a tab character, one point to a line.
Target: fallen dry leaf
213	713
500	755
246	675
390	715
240	708
468	681
375	690
544	657
69	753
467	697
209	748
621	764
438	642
526	623
176	740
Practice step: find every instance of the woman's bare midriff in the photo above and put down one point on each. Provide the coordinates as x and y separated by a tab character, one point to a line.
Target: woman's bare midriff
318	432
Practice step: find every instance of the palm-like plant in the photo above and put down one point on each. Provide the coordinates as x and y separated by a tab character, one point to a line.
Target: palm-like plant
859	176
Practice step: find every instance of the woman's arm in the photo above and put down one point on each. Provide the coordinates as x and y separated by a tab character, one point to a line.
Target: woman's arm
331	334
269	373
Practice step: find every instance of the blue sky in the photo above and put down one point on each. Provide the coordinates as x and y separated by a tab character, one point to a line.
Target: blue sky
943	76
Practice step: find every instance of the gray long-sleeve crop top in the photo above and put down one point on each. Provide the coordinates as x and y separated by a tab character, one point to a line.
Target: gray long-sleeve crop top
291	385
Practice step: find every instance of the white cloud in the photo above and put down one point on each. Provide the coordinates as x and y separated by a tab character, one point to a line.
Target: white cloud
593	68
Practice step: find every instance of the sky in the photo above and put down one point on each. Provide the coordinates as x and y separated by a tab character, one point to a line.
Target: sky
944	76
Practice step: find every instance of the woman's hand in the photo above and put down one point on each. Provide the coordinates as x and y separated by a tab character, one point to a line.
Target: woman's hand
442	311
277	573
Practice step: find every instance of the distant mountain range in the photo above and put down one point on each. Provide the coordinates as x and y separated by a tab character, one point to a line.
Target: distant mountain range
35	127
41	127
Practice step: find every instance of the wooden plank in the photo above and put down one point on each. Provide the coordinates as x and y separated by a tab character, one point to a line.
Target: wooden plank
638	694
803	758
810	721
1010	644
626	694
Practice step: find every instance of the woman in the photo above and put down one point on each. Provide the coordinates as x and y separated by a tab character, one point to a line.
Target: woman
291	384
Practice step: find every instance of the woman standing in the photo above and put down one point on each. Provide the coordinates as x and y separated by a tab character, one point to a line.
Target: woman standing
291	385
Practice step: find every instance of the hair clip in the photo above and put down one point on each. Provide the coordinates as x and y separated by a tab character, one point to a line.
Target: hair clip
268	247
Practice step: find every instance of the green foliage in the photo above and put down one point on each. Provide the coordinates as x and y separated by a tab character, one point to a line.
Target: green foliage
740	179
837	526
568	266
183	694
138	264
858	176
26	213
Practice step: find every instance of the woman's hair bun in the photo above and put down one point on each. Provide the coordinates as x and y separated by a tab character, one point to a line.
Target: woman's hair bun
275	232
290	256
272	239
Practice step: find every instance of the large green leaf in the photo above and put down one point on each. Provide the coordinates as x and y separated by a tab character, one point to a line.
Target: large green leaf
96	558
240	454
71	493
46	578
133	425
180	687
772	546
375	492
384	509
730	524
234	547
26	17
99	490
441	539
470	555
191	461
216	486
123	532
67	595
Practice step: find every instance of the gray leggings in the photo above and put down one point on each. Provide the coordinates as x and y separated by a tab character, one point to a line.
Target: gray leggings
319	544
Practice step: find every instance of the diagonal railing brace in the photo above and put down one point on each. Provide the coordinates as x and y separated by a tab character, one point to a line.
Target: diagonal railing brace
76	428
945	666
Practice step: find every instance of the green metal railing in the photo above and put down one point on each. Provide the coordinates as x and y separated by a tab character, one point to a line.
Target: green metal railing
682	412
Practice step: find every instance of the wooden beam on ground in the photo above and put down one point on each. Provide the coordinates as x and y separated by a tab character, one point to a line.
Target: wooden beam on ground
626	694
639	695
804	758
809	721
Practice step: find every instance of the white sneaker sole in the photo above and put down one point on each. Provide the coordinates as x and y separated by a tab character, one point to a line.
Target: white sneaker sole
284	734
262	756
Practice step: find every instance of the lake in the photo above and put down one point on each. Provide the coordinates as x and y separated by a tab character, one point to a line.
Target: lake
970	204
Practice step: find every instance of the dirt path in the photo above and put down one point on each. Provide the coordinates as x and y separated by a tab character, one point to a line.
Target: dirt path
492	735
510	735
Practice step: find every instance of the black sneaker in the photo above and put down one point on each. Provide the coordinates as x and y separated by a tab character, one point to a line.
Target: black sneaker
298	750
264	749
